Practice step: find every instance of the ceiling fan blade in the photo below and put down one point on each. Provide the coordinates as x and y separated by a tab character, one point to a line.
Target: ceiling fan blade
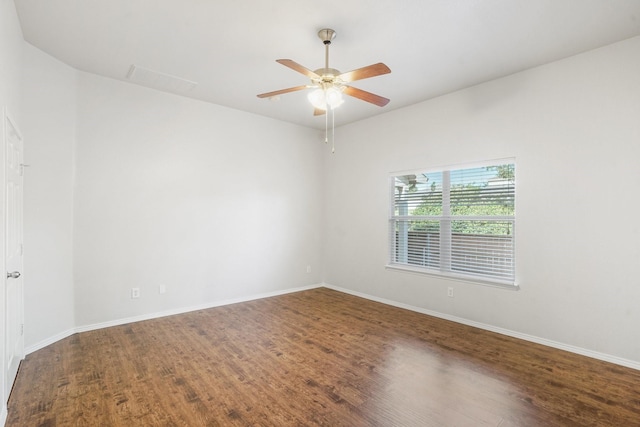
366	96
365	72
281	91
318	112
297	67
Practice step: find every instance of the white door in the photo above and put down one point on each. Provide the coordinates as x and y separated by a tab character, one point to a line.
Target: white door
14	250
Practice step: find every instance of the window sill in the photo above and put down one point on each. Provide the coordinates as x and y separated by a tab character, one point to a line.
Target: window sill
452	276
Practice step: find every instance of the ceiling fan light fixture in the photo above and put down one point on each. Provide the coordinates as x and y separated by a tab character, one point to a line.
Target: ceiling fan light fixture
326	98
333	96
317	99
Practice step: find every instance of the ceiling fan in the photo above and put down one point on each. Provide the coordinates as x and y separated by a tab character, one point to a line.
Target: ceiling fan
329	83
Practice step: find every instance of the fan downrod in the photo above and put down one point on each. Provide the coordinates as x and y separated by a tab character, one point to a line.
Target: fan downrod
328	74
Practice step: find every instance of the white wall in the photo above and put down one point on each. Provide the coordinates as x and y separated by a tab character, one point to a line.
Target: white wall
10	59
10	87
49	100
574	128
211	203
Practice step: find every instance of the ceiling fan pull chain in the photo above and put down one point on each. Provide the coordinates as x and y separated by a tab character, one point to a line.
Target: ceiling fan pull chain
326	125
333	131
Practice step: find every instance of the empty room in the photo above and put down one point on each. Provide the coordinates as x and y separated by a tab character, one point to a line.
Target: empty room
298	213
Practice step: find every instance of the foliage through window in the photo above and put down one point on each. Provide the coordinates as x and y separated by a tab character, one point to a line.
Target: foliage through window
456	222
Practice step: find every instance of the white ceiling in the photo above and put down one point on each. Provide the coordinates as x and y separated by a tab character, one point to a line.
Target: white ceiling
229	47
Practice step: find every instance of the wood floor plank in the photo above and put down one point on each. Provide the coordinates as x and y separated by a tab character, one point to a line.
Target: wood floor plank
317	357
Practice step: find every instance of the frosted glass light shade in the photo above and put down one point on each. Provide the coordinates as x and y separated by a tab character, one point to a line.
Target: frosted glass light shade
333	97
321	98
317	99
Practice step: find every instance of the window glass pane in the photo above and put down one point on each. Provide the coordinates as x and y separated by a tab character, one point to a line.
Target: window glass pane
419	194
418	243
483	191
485	248
488	227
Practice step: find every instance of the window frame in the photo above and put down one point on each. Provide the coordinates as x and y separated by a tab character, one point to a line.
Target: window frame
443	272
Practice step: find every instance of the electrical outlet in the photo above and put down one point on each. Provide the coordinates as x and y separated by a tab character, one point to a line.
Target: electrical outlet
135	293
450	292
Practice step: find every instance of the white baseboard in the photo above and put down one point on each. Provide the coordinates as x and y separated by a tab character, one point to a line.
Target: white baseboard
156	315
549	343
3	414
49	341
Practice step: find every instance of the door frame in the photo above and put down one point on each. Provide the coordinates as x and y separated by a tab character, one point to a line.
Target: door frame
7	379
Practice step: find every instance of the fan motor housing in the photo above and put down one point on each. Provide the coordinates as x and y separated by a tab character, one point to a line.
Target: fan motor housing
327	75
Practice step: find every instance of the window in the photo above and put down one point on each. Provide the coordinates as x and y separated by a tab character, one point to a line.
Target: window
456	222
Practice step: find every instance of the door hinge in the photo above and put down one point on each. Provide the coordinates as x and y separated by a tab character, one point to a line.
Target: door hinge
21	329
22	166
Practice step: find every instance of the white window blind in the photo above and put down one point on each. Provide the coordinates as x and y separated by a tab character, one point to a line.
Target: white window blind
456	222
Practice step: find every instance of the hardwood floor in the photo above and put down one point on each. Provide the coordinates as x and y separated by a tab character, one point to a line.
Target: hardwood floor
317	357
